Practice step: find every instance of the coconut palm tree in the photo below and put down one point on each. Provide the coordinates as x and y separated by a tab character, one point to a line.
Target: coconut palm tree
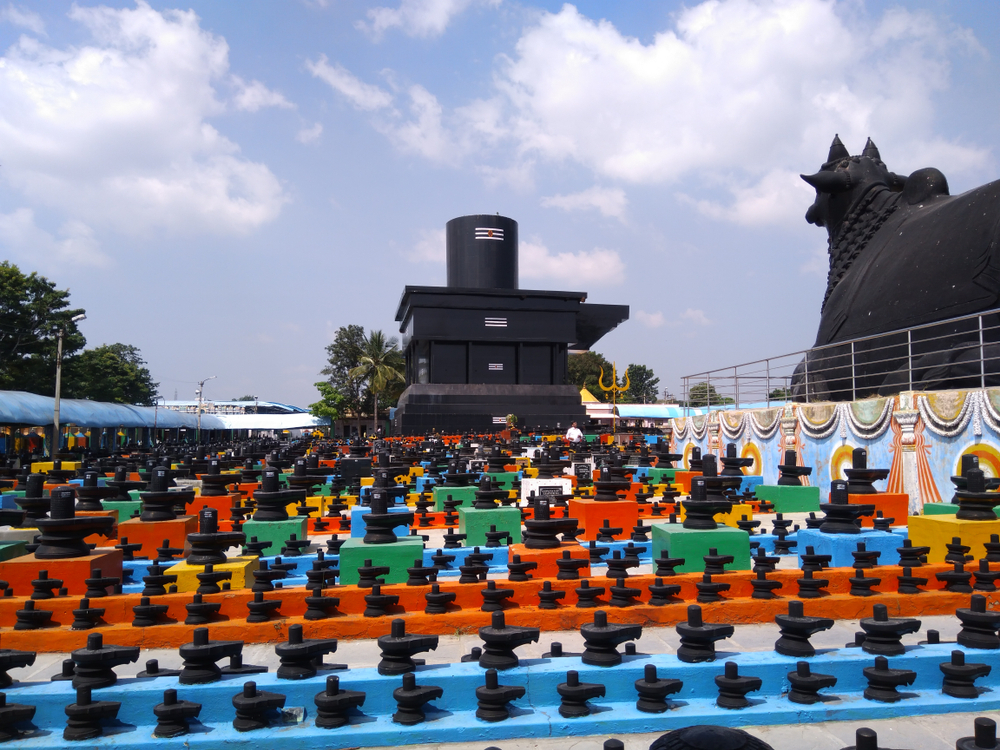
381	364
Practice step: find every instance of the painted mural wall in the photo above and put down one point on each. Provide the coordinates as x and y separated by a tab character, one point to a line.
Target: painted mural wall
919	436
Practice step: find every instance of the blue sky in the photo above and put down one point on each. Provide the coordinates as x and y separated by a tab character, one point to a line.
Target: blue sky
225	184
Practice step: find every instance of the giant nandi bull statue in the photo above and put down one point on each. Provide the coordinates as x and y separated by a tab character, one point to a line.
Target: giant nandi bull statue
903	253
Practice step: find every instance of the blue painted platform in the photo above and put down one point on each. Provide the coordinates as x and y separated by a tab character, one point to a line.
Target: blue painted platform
841	545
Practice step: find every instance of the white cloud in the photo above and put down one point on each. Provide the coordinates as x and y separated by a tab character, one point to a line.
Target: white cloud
116	132
609	201
362	95
695	316
311	134
23	18
255	95
419	18
650	320
75	245
430	248
779	197
424	134
597	267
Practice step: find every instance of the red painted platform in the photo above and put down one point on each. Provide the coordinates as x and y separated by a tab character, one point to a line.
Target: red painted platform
19	572
151	535
546	558
591	514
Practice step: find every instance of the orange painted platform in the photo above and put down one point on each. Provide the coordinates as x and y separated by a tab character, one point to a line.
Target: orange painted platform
102	539
221	503
591	514
892	504
546	558
19	572
683	480
151	535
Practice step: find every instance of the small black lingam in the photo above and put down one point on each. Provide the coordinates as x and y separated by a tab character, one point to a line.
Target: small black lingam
841	517
700	510
89	495
272	501
208	544
860	477
63	532
975	503
732	464
790	472
158	502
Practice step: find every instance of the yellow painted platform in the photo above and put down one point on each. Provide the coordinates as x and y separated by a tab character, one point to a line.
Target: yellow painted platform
242	568
320	502
937	531
43	467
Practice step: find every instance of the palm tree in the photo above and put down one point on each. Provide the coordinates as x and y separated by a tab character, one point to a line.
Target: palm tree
381	364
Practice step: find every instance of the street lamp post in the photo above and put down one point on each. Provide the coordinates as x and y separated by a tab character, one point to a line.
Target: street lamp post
201	390
156	411
55	415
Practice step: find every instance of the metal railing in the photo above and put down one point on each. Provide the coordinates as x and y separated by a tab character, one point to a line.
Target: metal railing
961	352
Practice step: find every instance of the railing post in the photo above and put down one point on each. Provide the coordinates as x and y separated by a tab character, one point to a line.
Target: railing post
767	381
982	358
854	387
806	365
909	358
736	381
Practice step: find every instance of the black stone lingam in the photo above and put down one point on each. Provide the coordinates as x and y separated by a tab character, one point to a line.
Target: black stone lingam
665	564
734	687
271	500
957	552
500	640
89	495
992	549
698	638
542	531
261	609
796	629
960	677
956	580
575	694
519	570
488	495
159	503
790	473
30	618
975	503
586	595
411	698
377	604
653	691
494	598
608	486
63	532
86	617
907	583
208	544
333	705
842	517
732	464
883	681
84	717
910	556
200	612
700	510
148	614
156	581
979	625
34	504
601	640
622	595
883	634
985	578
12	714
379	524
860	477
44	587
806	684
93	666
985	737
172	715
398	649
123	484
13	659
252	707
763	587
569	567
200	657
709	590
970	461
300	657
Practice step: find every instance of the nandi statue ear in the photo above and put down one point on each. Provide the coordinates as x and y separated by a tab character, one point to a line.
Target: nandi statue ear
828	182
896	182
838	150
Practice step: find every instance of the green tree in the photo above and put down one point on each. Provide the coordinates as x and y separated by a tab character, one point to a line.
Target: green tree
644	386
32	311
780	394
381	364
584	371
115	373
330	404
245	398
704	394
343	356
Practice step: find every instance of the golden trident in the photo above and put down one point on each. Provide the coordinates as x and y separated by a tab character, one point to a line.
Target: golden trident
615	390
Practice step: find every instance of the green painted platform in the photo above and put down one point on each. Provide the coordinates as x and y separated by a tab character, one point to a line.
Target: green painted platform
789	499
947	509
125	508
397	557
657	476
506	479
694	544
276	532
475	523
9	550
466	494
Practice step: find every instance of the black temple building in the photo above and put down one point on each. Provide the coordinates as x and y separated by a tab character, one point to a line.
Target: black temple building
480	348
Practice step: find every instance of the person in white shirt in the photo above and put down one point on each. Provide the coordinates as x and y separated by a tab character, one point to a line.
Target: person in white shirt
574	434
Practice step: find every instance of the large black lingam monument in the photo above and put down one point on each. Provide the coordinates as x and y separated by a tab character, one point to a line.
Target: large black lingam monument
481	348
903	253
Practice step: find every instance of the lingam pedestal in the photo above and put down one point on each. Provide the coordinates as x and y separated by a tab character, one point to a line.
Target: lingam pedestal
841	531
159	519
700	532
972	522
789	495
380	543
544	546
62	550
474	522
208	546
607	505
270	521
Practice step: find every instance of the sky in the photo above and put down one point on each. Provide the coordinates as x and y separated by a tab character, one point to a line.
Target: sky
225	184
